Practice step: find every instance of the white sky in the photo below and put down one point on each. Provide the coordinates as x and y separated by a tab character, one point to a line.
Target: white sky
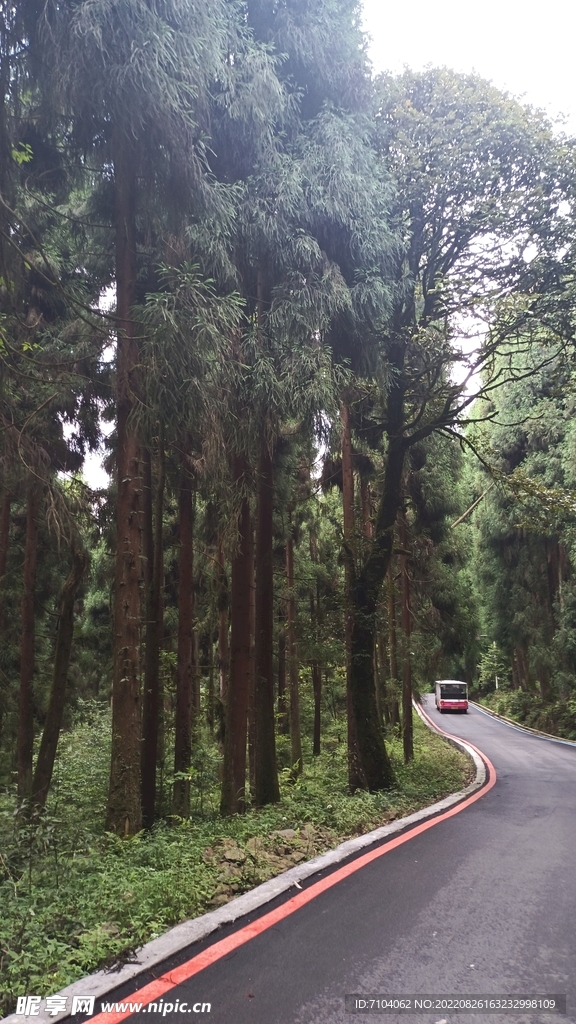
526	48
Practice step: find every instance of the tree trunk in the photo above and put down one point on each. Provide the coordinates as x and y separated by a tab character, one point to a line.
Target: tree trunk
266	772
392	700
53	724
295	738
317	690
378	685
210	704
233	797
124	814
25	743
251	691
154	578
356	776
407	724
523	673
283	723
366	502
316	667
223	623
5	507
185	655
374	758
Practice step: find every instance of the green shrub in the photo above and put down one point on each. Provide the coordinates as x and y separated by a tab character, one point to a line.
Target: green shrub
75	898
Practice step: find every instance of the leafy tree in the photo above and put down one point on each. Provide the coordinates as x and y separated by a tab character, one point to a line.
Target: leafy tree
478	178
522	531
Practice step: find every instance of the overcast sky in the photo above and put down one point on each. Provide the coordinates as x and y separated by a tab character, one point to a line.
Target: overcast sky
525	48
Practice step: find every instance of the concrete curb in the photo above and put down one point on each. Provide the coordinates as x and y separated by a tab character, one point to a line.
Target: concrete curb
524	728
102	983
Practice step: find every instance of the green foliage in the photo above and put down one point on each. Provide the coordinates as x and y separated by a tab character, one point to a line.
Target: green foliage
22	153
493	670
558	717
74	899
522	534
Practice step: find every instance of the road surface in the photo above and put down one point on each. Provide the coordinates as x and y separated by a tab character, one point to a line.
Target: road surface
483	903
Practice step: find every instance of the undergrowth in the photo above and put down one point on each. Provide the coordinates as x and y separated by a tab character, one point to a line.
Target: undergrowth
75	899
556	717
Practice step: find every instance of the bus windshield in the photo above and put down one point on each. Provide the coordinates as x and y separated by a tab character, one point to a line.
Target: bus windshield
453	691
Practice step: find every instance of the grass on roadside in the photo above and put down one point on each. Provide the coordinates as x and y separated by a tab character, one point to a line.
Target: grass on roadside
75	899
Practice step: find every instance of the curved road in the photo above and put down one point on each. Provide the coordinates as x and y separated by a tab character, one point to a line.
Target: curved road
484	903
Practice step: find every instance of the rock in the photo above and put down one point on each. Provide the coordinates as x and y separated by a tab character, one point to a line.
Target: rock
229	870
307	831
286	833
255	845
234	854
220	899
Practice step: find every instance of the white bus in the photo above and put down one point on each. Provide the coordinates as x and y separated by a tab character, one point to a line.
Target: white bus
451	695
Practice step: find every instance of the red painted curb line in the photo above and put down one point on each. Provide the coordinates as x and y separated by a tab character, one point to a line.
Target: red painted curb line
155	989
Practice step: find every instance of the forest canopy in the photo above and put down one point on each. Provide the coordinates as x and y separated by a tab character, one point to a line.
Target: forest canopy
334	391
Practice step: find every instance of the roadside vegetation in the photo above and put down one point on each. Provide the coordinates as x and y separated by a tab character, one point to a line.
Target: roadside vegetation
555	717
75	898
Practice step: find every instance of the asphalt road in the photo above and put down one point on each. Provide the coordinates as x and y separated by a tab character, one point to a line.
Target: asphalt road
484	903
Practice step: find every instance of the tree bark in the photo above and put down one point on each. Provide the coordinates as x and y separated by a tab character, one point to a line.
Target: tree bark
407	724
251	690
295	737
124	812
283	723
316	666
55	713
185	655
233	796
392	699
366	502
223	623
356	776
374	759
5	508
267	789
154	578
25	742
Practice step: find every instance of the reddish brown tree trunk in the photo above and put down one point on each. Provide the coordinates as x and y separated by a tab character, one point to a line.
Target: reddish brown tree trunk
407	724
356	778
55	713
295	738
124	812
266	772
185	655
151	709
25	743
233	797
